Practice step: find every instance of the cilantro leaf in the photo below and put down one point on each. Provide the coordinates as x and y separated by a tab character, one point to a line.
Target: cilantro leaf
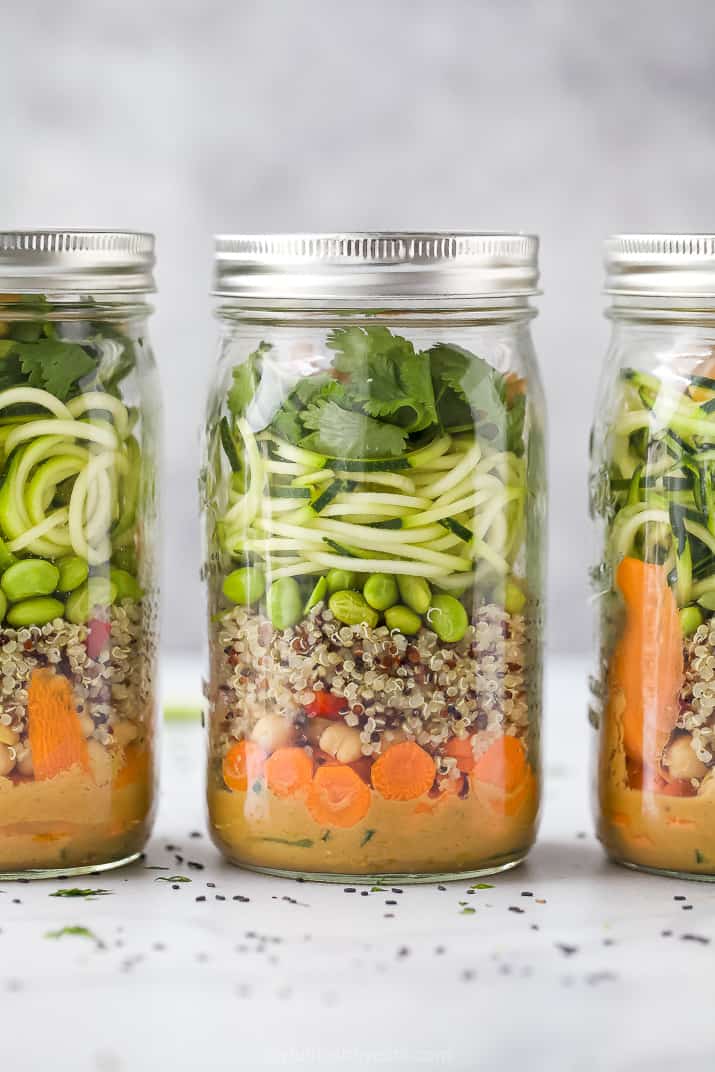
345	433
76	892
53	365
286	425
471	391
385	376
246	378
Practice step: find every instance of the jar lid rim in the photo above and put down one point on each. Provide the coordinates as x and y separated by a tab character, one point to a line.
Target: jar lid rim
71	261
380	264
660	265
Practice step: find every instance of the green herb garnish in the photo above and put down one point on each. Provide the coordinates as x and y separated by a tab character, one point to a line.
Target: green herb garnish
75	931
76	892
172	878
367	836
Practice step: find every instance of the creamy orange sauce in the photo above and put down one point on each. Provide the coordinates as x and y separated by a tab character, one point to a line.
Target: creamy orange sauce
424	836
76	819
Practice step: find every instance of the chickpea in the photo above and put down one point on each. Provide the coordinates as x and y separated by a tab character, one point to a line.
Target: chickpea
271	732
24	761
124	732
100	762
8	736
707	786
86	725
341	741
681	760
7	759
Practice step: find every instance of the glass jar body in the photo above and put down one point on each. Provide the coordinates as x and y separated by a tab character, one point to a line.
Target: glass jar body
653	704
374	494
79	425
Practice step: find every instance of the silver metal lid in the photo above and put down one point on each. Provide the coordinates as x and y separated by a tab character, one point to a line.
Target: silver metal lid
64	262
660	265
376	264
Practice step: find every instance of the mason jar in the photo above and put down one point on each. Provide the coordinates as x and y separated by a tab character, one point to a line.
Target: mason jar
79	409
374	493
653	501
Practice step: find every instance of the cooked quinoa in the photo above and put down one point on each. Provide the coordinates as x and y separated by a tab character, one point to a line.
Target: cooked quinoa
396	686
116	686
697	696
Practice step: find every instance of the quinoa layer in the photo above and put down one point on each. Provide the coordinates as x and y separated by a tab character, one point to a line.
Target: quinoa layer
417	687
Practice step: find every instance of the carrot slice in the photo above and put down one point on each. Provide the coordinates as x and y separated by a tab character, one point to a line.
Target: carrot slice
460	748
503	764
646	671
338	796
243	763
56	739
288	771
404	772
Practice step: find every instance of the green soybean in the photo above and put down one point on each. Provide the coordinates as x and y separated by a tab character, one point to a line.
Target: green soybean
38	611
126	585
403	619
690	619
448	618
73	572
514	598
380	591
415	593
339	578
3	605
125	558
284	603
96	592
318	594
351	608
245	585
29	578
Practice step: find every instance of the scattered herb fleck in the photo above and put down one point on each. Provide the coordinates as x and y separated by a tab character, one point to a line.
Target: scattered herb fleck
76	892
172	878
75	931
301	843
367	837
467	911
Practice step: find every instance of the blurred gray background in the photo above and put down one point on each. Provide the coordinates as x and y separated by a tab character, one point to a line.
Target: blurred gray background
571	119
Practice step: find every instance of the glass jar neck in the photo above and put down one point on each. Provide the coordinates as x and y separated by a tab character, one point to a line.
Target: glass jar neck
74	307
666	309
502	310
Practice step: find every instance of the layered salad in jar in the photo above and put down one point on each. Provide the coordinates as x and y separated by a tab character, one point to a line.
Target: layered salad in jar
372	692
77	630
654	693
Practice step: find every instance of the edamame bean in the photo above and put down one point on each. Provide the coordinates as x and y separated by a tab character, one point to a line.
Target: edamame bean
38	611
125	558
96	592
415	593
3	605
126	585
350	608
514	598
403	619
448	618
28	578
380	591
690	619
73	572
339	578
245	585
284	603
318	594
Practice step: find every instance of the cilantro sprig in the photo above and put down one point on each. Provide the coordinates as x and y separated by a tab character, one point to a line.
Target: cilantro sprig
380	397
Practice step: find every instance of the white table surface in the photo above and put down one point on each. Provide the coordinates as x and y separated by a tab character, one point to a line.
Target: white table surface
599	969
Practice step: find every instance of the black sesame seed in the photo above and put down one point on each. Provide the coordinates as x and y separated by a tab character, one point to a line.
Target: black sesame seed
201	898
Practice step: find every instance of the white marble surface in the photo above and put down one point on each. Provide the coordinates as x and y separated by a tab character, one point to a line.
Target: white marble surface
599	969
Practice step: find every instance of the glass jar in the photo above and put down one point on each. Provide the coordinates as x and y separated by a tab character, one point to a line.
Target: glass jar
653	500
78	554
374	493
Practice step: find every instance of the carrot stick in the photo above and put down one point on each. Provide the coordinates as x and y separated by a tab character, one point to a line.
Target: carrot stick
55	735
403	772
338	796
288	771
646	671
243	763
